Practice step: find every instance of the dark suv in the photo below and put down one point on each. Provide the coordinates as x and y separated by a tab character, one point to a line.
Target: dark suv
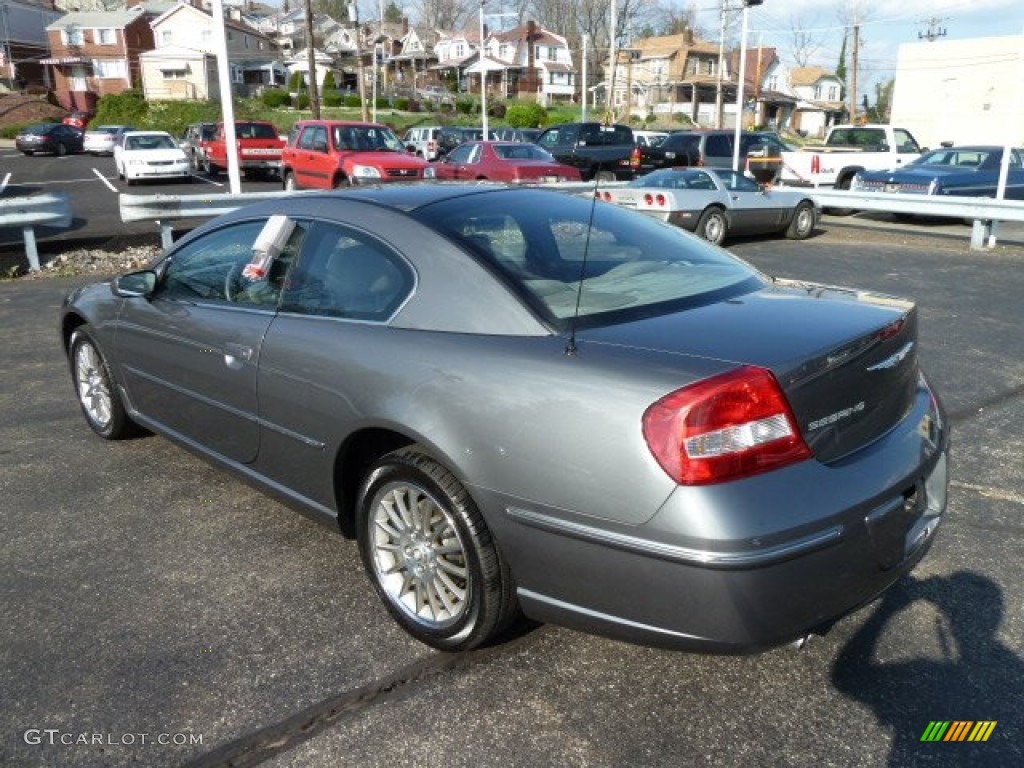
713	148
450	137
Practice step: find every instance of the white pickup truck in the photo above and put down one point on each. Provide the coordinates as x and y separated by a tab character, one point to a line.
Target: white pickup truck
847	150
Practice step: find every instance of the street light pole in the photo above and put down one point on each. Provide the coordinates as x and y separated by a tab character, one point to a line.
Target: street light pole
483	74
739	85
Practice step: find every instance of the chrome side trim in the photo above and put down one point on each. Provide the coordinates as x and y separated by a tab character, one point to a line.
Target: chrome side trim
709	558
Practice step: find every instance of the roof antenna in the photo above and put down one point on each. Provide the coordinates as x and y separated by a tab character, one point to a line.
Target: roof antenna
570	347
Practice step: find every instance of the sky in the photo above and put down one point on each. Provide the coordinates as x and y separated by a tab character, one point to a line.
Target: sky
885	25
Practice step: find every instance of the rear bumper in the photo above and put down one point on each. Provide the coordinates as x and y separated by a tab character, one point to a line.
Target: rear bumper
746	566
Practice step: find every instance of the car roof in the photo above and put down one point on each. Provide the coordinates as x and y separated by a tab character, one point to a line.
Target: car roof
343	123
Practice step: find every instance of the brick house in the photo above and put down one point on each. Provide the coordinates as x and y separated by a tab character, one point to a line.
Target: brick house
96	53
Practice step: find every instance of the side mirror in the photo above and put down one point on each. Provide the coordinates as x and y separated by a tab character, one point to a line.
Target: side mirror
135	284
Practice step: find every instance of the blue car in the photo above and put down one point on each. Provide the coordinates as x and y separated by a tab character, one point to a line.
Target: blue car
969	170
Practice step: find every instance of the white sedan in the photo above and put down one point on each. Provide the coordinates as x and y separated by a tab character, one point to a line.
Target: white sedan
150	155
715	203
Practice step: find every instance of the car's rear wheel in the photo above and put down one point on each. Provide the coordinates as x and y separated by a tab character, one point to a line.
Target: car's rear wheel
430	555
62	149
29	153
712	225
802	225
96	391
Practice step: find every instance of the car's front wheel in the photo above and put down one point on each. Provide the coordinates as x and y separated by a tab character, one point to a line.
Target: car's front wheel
289	182
712	225
802	225
62	149
97	393
430	555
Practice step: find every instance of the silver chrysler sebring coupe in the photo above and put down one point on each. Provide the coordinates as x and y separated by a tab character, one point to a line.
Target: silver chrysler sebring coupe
524	403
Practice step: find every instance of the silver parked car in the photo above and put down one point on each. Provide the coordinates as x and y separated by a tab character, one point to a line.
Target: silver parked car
716	203
524	402
102	139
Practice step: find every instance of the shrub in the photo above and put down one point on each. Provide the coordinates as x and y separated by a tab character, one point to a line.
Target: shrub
126	108
276	97
402	104
465	107
332	99
352	100
329	83
526	115
302	101
295	83
498	111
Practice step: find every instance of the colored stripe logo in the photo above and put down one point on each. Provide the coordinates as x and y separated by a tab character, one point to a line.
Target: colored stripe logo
959	730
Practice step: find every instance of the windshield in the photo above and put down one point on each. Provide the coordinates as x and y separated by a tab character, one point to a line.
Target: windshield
373	138
631	265
150	142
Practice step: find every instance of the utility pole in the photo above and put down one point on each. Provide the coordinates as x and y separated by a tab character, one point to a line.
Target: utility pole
934	30
719	95
353	16
314	87
853	73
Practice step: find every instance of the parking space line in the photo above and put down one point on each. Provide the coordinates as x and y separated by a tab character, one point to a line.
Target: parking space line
3	184
105	180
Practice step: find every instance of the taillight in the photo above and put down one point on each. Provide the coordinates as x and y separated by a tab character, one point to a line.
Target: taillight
815	164
652	199
634	158
730	426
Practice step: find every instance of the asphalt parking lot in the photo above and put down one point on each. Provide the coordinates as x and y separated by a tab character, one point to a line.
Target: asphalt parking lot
158	612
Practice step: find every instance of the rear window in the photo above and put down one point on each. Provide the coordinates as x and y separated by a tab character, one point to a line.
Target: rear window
255	131
561	252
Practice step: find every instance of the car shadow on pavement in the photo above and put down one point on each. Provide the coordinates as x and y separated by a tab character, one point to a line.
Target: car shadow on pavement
974	679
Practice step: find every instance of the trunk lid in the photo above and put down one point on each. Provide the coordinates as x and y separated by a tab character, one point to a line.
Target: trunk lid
846	360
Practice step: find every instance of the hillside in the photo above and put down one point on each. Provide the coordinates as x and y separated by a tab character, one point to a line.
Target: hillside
18	109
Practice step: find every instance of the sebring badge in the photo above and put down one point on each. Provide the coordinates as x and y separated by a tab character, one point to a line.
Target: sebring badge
894	359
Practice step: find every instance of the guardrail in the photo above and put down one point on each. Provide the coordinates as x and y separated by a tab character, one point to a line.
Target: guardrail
985	212
165	209
52	210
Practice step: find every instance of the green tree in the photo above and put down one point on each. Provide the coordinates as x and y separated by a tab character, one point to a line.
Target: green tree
883	101
841	69
393	14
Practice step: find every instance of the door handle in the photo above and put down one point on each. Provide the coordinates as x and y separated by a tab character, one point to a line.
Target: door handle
233	351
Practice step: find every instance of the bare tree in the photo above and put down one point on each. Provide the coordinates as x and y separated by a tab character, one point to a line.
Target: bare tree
805	42
450	15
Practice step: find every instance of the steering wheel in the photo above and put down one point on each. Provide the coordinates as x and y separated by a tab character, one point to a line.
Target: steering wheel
231	281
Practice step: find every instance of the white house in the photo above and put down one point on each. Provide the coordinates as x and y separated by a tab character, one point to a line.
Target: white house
183	65
819	95
963	91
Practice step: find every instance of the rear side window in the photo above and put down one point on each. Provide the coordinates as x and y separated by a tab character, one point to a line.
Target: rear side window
344	273
718	145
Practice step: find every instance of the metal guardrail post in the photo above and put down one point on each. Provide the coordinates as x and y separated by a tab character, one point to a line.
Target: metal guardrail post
30	249
53	210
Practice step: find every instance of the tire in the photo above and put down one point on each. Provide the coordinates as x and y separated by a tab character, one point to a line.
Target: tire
842	184
288	182
429	554
62	149
97	394
196	165
209	168
712	225
802	225
29	152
